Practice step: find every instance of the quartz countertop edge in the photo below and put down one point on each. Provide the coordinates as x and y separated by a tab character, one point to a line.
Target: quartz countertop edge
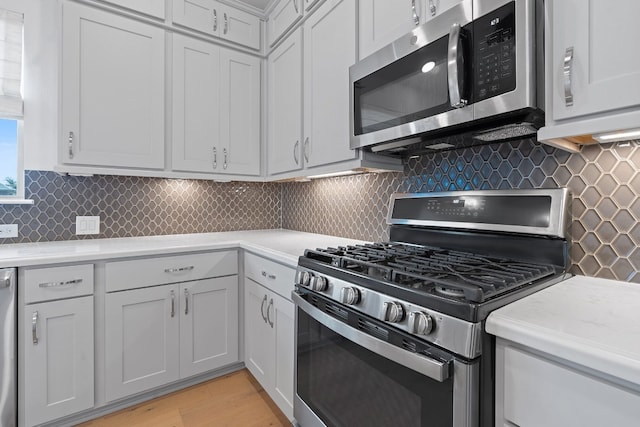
283	246
587	321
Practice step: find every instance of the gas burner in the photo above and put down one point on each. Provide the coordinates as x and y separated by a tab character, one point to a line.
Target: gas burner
449	292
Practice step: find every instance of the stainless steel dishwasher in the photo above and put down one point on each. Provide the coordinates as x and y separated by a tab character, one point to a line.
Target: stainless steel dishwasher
8	348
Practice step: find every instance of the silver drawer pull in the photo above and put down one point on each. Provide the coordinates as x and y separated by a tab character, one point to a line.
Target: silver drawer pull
268	276
34	327
264	301
57	284
179	269
186	302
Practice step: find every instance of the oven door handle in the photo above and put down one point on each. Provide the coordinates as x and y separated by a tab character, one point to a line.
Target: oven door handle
434	369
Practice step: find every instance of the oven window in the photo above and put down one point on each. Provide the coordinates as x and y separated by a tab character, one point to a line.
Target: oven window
412	88
347	385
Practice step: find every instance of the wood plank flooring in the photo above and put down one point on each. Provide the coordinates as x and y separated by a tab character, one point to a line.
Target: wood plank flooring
233	400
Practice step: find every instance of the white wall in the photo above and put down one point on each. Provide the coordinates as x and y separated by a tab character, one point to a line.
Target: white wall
41	77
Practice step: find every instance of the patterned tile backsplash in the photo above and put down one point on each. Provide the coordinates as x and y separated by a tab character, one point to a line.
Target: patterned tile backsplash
604	181
132	206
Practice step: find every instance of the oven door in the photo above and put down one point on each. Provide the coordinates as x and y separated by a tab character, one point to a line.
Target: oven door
350	376
416	84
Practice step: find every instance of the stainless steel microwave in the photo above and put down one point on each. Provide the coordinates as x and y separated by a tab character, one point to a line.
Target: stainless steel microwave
472	75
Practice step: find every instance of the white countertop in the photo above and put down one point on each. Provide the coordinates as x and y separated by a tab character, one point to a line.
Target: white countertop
592	322
284	246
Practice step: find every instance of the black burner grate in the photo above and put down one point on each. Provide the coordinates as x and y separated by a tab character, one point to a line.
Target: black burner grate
442	272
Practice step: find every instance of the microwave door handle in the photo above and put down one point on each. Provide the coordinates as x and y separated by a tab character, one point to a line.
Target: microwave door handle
453	67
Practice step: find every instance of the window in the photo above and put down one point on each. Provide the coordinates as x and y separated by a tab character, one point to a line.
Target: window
11	106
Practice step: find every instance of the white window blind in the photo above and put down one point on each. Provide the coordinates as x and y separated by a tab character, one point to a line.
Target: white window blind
11	24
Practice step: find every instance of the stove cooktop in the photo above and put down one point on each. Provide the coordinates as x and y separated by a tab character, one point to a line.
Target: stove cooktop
446	273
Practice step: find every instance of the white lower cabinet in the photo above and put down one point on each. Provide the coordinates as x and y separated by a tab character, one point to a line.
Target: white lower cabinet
157	335
56	343
58	358
535	390
269	343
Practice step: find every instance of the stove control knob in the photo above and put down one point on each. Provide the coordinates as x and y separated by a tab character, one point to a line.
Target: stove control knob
350	295
302	278
420	323
318	283
392	312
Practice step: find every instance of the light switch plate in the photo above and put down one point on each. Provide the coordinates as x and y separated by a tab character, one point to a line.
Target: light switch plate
87	225
8	231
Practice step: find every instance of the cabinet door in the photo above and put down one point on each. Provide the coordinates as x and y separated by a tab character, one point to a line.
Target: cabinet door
283	17
201	15
240	27
150	7
258	336
58	359
383	21
604	73
281	319
239	113
112	90
141	340
329	51
196	105
285	106
208	325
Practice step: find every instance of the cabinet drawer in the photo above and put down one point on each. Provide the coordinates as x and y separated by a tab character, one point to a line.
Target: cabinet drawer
276	277
44	284
143	272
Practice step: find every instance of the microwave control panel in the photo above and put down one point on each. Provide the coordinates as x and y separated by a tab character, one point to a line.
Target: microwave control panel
495	53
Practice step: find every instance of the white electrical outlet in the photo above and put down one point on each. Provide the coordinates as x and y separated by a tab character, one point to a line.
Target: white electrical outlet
8	230
87	225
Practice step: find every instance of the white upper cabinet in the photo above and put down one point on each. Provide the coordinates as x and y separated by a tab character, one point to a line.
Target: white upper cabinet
591	79
384	21
215	18
149	7
589	40
284	16
216	109
285	106
329	51
112	90
196	104
240	112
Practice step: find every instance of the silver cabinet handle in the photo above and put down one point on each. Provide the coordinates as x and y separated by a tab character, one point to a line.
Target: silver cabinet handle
306	150
71	145
173	304
268	316
224	165
416	17
226	24
186	302
453	67
295	6
215	158
34	327
432	8
264	301
57	284
179	269
215	20
568	71
268	276
296	157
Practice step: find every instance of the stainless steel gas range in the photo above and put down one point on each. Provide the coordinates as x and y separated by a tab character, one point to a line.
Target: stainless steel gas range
392	333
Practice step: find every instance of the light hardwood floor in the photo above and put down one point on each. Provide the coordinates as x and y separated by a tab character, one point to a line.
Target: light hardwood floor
234	400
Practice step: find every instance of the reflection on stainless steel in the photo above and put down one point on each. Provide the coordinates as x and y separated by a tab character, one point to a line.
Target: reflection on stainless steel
8	351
